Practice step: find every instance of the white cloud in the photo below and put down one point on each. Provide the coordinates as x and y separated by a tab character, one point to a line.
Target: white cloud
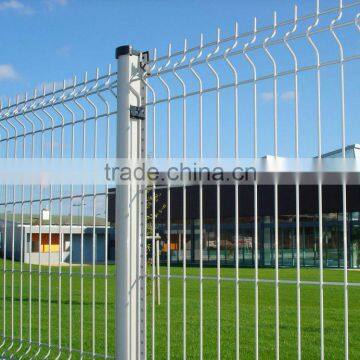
288	95
267	96
7	72
63	50
15	5
51	4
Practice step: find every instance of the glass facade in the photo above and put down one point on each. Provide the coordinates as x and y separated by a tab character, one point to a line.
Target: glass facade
333	254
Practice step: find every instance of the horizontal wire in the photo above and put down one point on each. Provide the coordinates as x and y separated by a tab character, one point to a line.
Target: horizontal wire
59	100
66	88
259	30
60	348
251	48
56	198
258	79
252	280
62	273
30	133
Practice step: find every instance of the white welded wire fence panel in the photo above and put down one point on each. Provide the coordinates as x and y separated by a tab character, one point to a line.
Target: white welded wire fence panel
244	267
57	245
242	274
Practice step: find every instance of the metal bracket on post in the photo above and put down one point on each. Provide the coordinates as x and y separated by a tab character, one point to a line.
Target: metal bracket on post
129	234
137	112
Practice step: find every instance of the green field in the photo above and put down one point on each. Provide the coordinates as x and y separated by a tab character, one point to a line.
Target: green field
333	310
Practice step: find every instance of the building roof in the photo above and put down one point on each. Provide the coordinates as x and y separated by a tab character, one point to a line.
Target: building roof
55	220
351	151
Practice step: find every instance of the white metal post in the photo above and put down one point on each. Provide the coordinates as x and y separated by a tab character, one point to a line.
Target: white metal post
127	227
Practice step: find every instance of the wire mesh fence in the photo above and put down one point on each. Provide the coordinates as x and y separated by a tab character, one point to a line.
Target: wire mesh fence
203	271
56	242
284	90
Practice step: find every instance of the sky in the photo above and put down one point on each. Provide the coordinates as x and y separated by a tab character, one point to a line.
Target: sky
51	40
45	41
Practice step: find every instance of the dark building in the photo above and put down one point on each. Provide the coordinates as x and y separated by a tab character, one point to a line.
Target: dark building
309	225
332	216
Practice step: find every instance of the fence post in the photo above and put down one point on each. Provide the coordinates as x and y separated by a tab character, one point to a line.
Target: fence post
127	210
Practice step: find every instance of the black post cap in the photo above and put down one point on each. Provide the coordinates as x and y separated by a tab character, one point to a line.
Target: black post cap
125	50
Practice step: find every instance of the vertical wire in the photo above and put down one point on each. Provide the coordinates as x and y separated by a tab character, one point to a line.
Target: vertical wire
29	248
237	298
107	107
94	242
141	96
218	240
39	271
5	237
4	261
145	221
139	200
276	215
82	233
150	226
40	237
21	232
22	252
79	217
153	262
184	272
21	265
256	256
168	231
168	226
201	223
71	262
168	218
13	269
184	234
82	204
106	227
30	237
218	273
49	272
13	245
321	263
201	235
72	146
60	274
320	207
236	188
297	189
50	237
184	193
344	202
153	214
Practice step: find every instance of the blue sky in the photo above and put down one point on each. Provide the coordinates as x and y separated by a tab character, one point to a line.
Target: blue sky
48	40
51	40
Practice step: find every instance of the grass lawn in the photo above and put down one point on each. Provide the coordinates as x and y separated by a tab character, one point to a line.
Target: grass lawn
333	310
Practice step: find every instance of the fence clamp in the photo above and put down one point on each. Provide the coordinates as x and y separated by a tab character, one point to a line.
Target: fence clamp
137	112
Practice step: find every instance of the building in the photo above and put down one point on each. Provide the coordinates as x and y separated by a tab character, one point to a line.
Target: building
333	251
309	226
63	243
60	244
